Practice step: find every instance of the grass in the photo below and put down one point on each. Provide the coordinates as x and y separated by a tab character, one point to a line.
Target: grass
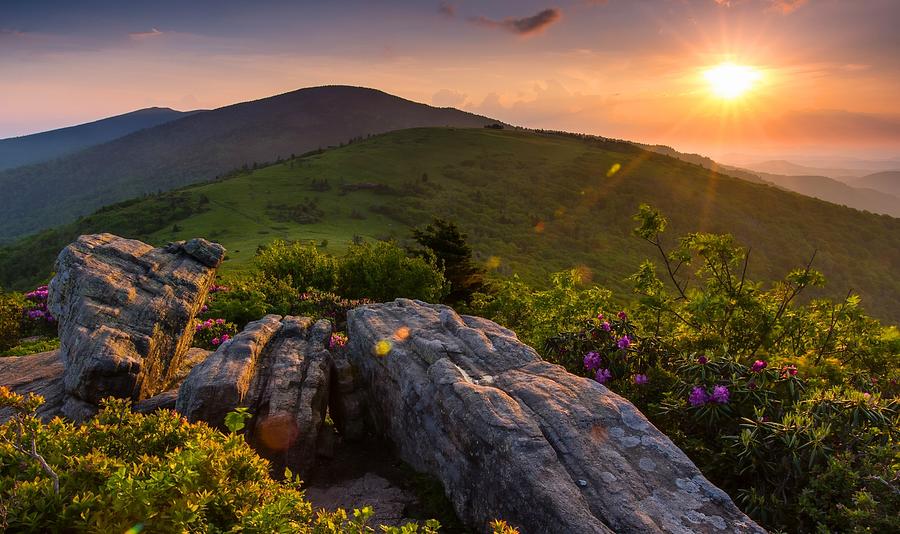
531	204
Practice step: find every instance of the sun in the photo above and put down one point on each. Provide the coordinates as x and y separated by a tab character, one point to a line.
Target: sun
730	81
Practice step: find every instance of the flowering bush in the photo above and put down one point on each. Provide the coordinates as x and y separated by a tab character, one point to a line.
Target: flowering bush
211	333
338	340
609	347
790	407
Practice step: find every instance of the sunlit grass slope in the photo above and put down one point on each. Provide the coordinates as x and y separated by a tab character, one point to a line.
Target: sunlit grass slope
531	203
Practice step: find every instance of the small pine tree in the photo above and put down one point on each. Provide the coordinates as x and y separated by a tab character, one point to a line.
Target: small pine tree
448	245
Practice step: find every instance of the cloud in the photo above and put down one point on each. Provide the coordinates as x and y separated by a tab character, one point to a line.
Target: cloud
785	7
447	9
448	98
138	36
10	33
523	26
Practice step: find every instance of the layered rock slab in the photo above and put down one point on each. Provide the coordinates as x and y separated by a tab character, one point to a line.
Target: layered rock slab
40	374
125	313
278	368
514	437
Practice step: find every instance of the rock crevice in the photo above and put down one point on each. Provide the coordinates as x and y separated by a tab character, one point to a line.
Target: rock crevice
279	369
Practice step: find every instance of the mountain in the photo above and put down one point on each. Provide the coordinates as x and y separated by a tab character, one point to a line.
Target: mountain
886	182
200	147
824	188
531	203
705	162
793	169
855	195
28	149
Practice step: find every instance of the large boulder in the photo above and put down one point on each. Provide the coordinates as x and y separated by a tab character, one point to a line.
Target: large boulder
125	311
514	437
278	368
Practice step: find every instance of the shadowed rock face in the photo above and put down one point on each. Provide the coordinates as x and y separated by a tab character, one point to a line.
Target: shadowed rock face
280	369
125	311
514	437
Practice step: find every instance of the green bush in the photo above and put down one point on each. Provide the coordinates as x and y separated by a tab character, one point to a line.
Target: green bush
537	315
299	265
127	472
11	306
382	271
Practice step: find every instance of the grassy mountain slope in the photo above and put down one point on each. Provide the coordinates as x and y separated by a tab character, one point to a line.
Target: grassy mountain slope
28	149
887	182
533	203
705	162
201	146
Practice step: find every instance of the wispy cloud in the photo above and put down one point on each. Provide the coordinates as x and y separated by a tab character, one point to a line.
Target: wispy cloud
786	7
447	9
448	98
139	36
522	26
10	33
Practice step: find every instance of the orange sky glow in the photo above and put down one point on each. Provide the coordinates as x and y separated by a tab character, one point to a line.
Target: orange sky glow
631	70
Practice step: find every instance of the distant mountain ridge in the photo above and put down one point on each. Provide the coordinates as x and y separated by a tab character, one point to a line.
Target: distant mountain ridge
788	168
35	148
887	182
876	193
199	147
838	192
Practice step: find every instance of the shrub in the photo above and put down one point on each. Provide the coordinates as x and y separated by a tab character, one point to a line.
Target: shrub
37	318
126	471
538	315
11	306
382	271
211	333
301	266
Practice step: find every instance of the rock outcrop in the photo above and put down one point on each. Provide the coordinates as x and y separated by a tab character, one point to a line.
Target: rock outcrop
514	437
125	311
508	435
40	374
280	369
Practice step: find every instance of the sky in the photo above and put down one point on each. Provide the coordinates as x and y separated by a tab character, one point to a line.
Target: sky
826	73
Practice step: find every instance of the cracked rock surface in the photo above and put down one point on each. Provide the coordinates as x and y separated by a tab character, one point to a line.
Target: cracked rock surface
513	437
125	310
280	370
